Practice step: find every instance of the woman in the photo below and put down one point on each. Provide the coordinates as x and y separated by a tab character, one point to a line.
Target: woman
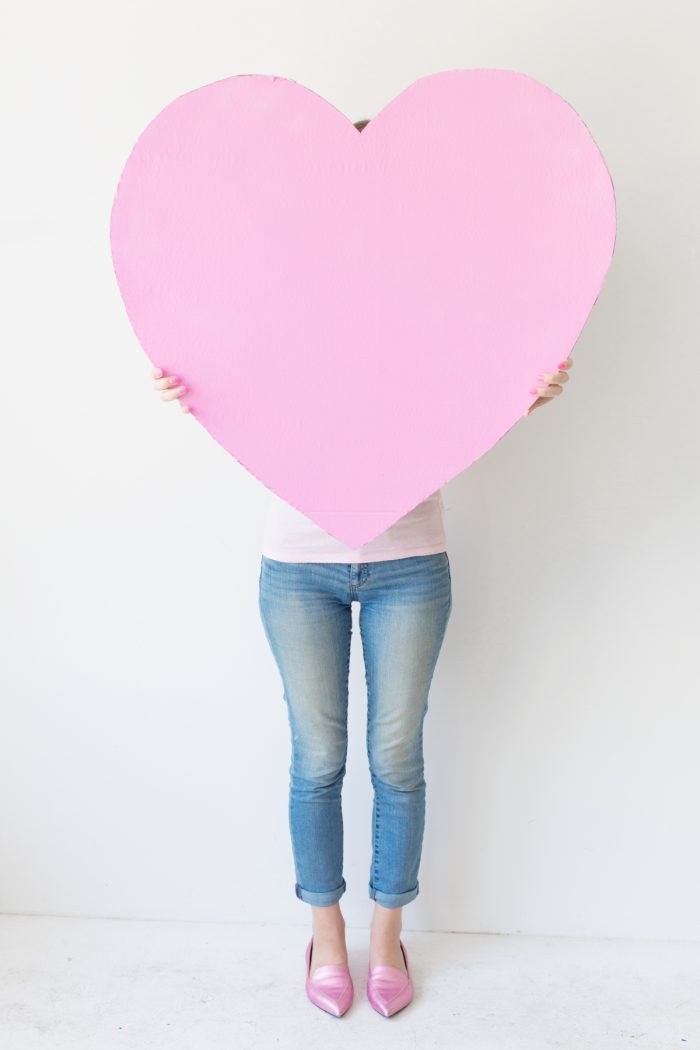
308	581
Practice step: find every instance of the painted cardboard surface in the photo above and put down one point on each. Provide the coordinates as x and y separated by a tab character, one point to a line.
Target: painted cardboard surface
359	316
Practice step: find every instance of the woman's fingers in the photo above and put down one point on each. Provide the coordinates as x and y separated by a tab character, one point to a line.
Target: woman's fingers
173	393
170	387
549	385
547	389
546	378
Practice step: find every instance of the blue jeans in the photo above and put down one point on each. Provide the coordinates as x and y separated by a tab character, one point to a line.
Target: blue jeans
306	611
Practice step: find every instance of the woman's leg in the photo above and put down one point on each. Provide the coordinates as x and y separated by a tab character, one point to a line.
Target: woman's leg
308	624
405	608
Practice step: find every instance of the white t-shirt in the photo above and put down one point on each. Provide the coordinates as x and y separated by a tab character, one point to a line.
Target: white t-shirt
290	536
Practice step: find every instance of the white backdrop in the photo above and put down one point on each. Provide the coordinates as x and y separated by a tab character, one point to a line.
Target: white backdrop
144	751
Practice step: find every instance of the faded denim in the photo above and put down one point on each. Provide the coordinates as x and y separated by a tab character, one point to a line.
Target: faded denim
306	611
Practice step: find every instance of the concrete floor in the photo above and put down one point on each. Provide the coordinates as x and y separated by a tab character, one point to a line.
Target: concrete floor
112	983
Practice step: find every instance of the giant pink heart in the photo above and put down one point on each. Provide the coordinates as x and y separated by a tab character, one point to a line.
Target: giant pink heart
360	316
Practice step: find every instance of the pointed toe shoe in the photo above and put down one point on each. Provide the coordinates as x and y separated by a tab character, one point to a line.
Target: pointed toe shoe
388	988
330	987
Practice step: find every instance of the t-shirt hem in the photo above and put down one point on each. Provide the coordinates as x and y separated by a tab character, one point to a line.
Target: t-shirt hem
346	558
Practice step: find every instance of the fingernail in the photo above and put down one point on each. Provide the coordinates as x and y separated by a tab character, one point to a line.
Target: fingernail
181	389
534	390
562	364
157	373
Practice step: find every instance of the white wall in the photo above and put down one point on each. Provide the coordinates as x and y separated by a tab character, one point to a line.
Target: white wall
144	751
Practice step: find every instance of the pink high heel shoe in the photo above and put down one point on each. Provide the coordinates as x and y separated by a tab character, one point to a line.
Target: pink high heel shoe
388	988
330	986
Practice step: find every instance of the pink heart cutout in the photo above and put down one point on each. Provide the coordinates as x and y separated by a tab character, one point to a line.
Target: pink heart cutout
358	317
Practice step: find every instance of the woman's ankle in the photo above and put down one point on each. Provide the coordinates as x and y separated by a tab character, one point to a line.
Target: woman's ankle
327	919
386	922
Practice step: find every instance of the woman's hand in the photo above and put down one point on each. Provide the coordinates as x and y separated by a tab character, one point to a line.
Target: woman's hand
171	388
549	385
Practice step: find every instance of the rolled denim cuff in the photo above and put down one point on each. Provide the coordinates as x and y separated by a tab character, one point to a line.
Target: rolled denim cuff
393	900
320	898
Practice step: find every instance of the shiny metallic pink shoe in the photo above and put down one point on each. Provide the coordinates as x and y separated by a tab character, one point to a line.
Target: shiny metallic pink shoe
388	988
329	986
